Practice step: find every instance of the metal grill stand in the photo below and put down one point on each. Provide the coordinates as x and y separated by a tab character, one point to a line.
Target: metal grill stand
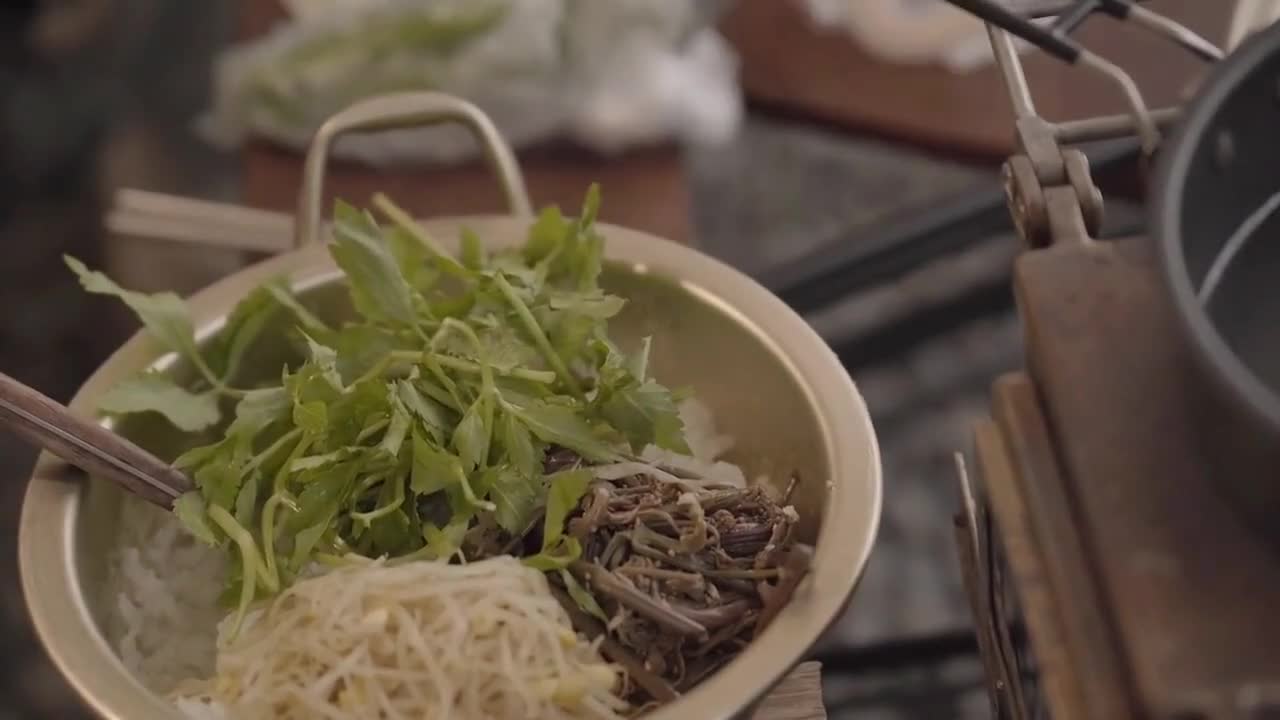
1108	578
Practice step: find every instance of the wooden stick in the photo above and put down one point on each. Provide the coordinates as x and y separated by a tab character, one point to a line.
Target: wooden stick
157	216
797	697
96	450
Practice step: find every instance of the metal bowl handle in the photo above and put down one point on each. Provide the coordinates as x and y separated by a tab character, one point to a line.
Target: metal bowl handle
403	110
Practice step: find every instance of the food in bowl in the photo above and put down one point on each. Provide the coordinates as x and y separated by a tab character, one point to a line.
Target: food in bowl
475	421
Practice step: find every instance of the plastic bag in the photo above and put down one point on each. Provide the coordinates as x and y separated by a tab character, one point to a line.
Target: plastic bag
607	73
909	31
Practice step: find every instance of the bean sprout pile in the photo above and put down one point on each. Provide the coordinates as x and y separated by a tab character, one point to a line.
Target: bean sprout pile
401	641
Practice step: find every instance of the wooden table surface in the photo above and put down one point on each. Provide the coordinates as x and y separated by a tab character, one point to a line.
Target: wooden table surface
790	65
797	697
645	189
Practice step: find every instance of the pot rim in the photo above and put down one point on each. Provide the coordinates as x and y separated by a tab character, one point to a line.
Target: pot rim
1173	168
851	516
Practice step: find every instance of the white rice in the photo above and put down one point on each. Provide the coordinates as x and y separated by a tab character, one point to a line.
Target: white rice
164	586
201	709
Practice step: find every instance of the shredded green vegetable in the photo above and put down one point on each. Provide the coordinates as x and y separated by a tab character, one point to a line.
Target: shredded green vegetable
425	419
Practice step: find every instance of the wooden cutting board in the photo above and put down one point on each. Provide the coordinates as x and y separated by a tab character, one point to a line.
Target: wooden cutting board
791	65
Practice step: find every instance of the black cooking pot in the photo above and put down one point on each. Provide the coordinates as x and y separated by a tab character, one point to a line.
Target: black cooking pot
1215	212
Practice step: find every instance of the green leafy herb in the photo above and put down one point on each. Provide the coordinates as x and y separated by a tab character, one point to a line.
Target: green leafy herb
524	458
556	557
581	597
248	320
562	425
398	427
433	468
378	288
190	509
155	392
246	506
362	349
420	425
595	306
164	315
558	550
638	364
446	542
390	529
305	542
306	319
546	236
566	489
220	478
515	498
536	333
471	437
473	254
311	417
425	409
323	495
645	414
259	409
418	234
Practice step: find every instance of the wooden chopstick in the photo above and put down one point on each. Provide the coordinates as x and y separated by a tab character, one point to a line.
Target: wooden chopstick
157	216
48	424
194	232
204	211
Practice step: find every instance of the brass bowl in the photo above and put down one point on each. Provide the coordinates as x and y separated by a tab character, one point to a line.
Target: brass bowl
770	380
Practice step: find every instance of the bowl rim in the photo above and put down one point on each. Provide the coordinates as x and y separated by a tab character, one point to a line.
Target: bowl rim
851	517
